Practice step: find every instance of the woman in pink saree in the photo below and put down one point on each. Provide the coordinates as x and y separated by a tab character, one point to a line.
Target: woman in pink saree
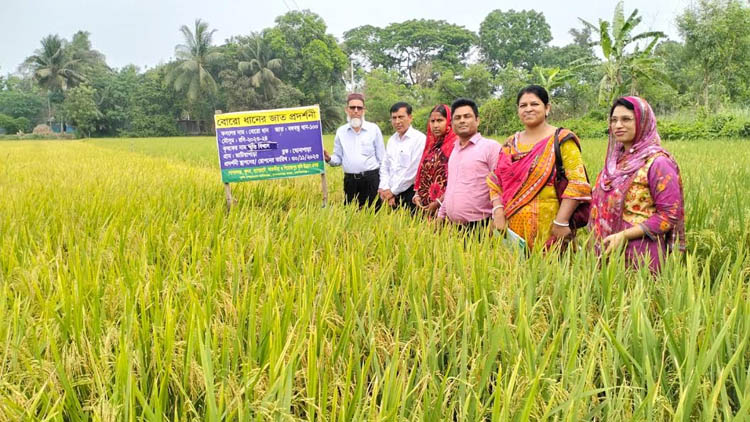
522	187
637	201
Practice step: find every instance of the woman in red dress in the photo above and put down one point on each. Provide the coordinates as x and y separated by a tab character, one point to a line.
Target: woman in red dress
432	175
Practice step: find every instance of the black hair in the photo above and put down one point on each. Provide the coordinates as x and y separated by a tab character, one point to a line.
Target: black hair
461	102
399	105
621	102
440	109
537	90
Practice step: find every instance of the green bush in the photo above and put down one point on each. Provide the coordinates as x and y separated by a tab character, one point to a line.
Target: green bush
23	124
7	123
585	127
143	126
685	126
421	117
498	117
726	124
12	126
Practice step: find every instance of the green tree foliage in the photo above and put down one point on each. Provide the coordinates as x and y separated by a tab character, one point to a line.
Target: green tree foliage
312	60
513	38
238	91
424	62
363	45
13	125
21	103
113	95
499	116
717	42
256	60
81	109
90	61
153	110
419	48
622	68
190	74
573	85
54	68
475	82
382	89
684	75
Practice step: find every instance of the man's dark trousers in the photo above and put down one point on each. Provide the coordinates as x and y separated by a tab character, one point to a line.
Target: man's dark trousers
362	187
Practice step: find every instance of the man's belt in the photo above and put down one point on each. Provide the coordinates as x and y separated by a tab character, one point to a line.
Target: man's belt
363	174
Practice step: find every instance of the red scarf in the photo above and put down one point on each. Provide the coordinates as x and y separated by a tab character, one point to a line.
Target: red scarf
449	139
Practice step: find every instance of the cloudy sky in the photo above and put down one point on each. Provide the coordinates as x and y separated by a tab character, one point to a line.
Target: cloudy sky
145	33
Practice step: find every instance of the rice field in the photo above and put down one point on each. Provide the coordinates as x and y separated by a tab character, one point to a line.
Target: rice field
127	293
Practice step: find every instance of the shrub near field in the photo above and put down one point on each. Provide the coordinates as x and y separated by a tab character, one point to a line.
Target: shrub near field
127	293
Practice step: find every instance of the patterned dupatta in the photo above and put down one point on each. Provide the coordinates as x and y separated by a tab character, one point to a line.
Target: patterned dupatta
446	146
523	175
608	198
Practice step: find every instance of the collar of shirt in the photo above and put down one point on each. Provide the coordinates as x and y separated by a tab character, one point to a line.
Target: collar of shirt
363	127
407	135
474	139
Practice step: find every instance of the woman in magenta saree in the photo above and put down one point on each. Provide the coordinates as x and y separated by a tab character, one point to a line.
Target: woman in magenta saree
637	201
522	187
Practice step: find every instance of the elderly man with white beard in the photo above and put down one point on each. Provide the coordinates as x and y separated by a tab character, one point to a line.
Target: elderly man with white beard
359	148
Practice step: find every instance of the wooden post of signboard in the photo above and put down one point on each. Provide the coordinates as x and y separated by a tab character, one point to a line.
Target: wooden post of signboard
324	186
228	194
323	179
227	187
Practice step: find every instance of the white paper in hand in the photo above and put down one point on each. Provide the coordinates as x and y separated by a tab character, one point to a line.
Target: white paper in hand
513	241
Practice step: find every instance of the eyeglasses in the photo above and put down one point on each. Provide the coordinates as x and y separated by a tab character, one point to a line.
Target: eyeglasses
624	120
356	108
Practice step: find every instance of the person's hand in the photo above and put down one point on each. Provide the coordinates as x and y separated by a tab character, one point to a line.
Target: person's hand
326	156
432	208
392	201
499	223
614	242
416	200
561	232
385	195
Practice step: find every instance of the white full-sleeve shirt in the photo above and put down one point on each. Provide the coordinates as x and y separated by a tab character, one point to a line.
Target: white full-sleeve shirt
402	156
358	152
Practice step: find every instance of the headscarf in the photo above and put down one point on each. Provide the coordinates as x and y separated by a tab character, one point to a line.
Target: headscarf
608	197
448	141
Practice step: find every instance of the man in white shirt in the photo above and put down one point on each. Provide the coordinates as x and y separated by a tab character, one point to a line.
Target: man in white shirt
402	156
358	147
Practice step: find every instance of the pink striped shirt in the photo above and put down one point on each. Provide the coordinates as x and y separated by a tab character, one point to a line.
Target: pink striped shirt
467	196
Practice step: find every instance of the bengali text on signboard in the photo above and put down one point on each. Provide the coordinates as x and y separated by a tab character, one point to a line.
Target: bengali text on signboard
270	144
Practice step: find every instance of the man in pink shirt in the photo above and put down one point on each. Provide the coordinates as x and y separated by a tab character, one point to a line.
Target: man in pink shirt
467	197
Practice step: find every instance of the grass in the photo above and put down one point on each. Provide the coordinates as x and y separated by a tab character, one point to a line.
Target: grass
127	293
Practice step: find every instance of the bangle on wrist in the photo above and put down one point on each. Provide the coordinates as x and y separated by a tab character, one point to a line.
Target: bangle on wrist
496	207
439	201
557	223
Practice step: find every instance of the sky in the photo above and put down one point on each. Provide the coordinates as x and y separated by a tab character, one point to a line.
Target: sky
145	33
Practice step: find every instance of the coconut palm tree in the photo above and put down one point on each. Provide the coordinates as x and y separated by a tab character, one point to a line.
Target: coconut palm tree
621	67
257	60
53	67
190	74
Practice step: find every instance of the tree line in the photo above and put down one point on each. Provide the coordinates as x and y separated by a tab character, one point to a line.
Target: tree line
422	61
